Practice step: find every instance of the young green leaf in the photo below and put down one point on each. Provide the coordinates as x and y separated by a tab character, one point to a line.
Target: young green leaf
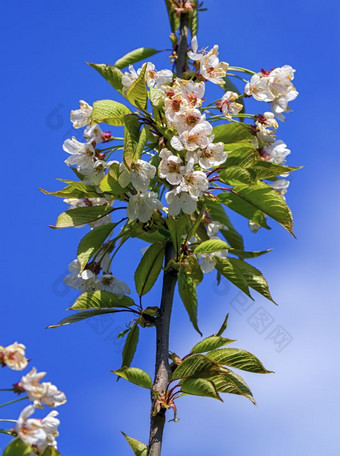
210	343
135	56
135	375
236	174
232	133
178	228
188	294
242	254
231	383
143	139
100	299
17	448
241	154
110	112
173	18
137	93
231	272
92	242
130	346
81	216
200	387
149	268
240	359
51	451
223	326
194	19
196	366
112	74
139	448
79	316
211	246
74	190
131	139
268	170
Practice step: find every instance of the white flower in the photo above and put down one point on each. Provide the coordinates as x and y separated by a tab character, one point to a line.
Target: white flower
83	281
108	282
280	104
173	105
37	432
276	152
254	227
258	87
266	126
13	356
39	393
140	175
180	201
192	92
129	78
211	68
187	119
208	262
81	117
214	228
194	182
82	155
170	167
228	105
281	186
93	134
194	55
142	205
197	137
97	173
163	78
212	155
150	76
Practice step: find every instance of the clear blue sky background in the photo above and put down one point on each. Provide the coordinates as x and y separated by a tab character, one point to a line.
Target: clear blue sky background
43	75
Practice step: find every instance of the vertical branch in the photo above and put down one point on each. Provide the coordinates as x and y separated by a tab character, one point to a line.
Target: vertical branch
182	44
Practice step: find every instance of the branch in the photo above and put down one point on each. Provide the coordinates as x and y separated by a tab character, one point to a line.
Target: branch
181	62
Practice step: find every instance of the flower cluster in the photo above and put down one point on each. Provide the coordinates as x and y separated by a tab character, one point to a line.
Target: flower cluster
39	433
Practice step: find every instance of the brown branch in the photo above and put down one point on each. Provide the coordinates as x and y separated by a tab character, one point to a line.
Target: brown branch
182	58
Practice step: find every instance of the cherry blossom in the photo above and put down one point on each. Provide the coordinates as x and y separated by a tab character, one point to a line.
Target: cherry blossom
81	117
13	356
41	393
142	206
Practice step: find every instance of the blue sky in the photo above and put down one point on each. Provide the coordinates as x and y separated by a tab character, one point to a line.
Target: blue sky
43	75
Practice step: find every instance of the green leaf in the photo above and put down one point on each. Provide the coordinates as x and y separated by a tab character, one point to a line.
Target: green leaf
264	198
236	174
241	154
50	451
196	366
130	346
79	316
143	139
240	359
223	327
253	277
112	74
188	294
211	246
137	93
110	112
18	448
217	213
100	299
231	383
230	271
110	184
139	448
173	18
200	387
210	343
178	227
131	139
244	208
92	242
81	216
194	19
135	375
242	254
75	189
135	56
149	268
232	133
268	170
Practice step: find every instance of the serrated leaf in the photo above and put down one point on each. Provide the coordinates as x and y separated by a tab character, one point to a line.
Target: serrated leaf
268	170
135	56
135	375
253	277
244	208
100	299
75	189
195	366
79	316
110	112
143	139
242	254
241	154
178	227
194	19
173	18
236	174
232	133
139	448
18	448
211	246
231	272
188	294
131	139
210	343
112	74
81	216
231	383
217	213
92	242
130	346
137	93
240	359
264	198
200	387
149	268
223	326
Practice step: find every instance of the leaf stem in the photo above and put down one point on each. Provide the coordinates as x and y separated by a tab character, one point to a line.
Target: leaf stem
241	70
8	421
12	402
